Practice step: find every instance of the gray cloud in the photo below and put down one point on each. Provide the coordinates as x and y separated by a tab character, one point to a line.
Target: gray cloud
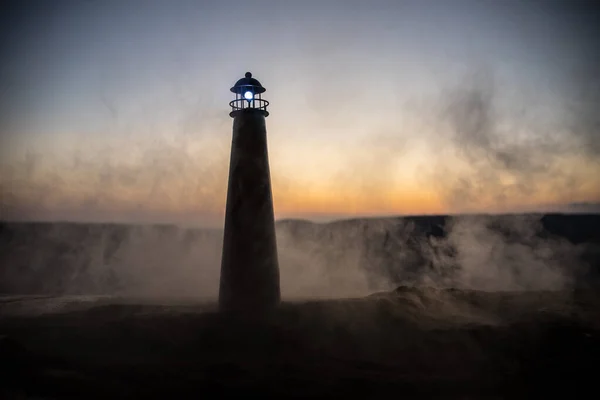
506	151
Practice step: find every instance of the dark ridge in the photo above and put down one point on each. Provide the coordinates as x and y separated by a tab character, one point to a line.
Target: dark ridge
78	258
577	228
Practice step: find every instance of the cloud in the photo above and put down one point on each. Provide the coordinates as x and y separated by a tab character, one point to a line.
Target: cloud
494	153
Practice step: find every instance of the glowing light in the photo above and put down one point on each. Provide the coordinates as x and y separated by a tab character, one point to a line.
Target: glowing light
248	95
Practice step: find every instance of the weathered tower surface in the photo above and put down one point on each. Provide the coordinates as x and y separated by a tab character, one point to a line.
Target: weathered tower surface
249	266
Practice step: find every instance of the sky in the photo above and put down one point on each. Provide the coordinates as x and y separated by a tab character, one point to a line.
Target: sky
117	111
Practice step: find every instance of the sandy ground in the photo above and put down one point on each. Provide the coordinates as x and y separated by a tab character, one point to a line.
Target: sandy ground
412	343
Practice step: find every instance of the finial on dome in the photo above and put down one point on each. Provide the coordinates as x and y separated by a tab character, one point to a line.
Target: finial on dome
248	75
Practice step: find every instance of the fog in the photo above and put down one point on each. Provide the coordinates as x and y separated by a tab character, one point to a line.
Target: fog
114	159
491	163
341	259
478	139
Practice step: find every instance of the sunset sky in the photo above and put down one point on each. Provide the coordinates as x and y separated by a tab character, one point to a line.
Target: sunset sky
118	110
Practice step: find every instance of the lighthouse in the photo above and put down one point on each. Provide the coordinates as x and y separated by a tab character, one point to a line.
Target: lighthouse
249	265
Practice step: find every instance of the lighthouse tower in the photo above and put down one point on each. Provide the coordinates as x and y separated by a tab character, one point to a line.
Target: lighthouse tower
249	265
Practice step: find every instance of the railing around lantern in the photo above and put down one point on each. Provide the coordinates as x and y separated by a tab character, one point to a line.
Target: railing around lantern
242	104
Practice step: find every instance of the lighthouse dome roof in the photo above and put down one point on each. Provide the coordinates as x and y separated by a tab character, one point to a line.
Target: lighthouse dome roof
242	84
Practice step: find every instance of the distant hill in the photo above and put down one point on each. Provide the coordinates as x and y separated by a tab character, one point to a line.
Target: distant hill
335	259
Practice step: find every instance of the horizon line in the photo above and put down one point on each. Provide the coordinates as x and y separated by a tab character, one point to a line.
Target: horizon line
300	219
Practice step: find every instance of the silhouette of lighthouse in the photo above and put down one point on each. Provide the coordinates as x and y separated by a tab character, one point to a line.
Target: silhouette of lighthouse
249	265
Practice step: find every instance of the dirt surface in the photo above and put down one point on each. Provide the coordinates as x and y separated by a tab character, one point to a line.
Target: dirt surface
411	343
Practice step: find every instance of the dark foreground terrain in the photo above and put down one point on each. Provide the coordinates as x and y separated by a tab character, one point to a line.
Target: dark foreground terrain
410	343
87	311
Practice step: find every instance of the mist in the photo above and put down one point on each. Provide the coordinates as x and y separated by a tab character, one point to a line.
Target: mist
455	125
435	181
483	159
342	259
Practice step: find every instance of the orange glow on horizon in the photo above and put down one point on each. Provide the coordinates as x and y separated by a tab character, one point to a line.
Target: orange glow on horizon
114	179
331	202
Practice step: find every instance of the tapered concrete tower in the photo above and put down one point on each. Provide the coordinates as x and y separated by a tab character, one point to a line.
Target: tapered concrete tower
249	265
